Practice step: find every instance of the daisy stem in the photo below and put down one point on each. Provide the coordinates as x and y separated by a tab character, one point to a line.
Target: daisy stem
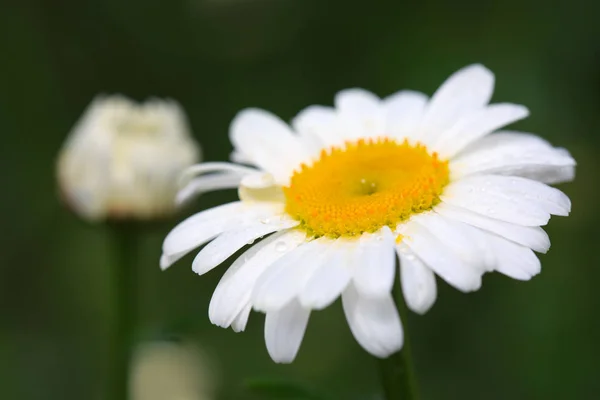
123	243
397	371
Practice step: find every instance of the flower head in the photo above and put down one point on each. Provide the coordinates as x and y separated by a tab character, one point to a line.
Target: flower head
122	159
344	192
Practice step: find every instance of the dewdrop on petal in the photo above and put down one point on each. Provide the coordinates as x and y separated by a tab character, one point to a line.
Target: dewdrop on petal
122	159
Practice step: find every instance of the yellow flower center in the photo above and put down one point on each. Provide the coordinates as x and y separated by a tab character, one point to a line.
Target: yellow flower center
363	186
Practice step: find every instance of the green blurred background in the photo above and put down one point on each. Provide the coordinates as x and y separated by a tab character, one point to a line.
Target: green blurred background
511	340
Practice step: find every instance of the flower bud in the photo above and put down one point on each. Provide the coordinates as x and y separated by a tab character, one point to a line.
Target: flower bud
165	370
122	160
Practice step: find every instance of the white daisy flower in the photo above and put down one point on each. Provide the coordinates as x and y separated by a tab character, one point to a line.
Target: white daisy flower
122	159
346	190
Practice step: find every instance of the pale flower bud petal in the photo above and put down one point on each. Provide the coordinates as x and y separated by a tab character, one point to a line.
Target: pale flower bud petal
123	159
165	370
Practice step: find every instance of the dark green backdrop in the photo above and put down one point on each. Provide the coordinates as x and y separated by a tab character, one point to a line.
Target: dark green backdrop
510	340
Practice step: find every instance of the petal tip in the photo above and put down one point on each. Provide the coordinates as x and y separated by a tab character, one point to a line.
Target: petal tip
165	262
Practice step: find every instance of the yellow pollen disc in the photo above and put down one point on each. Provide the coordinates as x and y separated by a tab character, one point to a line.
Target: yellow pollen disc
363	186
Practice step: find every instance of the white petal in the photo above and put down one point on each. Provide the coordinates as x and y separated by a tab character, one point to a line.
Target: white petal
513	260
417	280
403	113
468	89
207	183
166	261
285	278
234	291
486	197
441	259
526	196
375	261
360	114
284	330
356	101
453	235
198	170
321	123
552	200
374	322
231	241
266	140
239	323
505	138
203	226
513	153
260	188
529	236
180	237
477	237
239	158
328	280
475	126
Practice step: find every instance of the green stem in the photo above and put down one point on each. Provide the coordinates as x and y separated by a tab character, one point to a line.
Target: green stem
123	243
397	372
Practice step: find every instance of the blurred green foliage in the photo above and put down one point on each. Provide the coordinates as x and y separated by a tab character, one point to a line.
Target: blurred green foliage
510	340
